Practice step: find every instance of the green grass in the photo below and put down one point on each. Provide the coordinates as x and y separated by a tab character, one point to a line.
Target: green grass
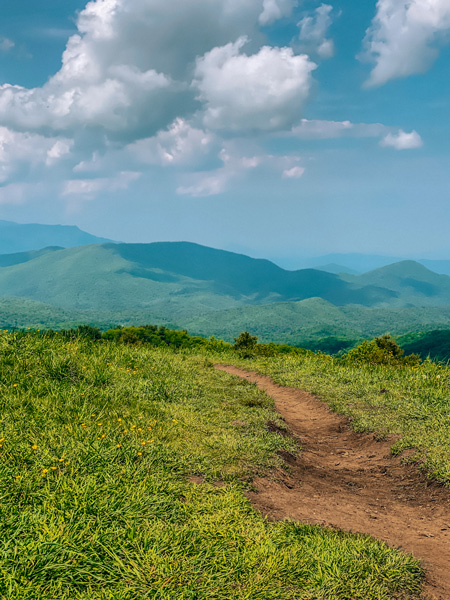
98	445
412	403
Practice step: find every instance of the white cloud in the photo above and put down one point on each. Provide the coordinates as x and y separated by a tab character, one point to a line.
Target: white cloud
151	83
404	36
88	186
314	31
402	140
180	144
207	184
325	130
265	91
22	152
294	173
276	9
237	166
91	187
6	44
128	69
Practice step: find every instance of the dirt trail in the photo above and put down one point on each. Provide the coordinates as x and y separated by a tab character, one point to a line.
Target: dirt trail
347	480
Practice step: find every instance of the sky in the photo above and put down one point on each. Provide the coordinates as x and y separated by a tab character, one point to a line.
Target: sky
277	128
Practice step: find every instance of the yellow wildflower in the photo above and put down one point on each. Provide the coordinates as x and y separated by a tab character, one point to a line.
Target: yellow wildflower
34	447
139	453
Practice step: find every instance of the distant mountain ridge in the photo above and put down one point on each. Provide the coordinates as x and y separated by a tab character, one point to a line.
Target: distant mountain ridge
358	264
180	279
16	237
173	279
209	291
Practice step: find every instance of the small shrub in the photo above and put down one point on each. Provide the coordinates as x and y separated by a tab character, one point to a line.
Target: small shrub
245	344
382	350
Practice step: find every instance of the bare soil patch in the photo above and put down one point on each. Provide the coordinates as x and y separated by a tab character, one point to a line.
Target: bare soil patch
350	481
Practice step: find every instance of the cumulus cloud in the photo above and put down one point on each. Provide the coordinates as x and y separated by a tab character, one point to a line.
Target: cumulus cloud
20	153
404	36
314	30
185	84
129	67
402	140
265	91
276	9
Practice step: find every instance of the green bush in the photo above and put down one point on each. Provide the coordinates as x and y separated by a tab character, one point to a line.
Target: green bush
245	344
382	350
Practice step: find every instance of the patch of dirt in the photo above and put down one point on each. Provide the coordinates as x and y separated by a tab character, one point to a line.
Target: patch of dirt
196	479
349	481
271	426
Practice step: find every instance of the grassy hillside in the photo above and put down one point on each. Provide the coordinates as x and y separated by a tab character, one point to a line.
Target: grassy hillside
122	477
433	344
97	278
8	260
299	323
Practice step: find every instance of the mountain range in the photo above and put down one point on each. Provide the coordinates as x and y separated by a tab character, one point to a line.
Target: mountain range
17	237
209	291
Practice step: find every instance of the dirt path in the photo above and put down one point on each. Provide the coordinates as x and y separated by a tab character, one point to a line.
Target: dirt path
349	481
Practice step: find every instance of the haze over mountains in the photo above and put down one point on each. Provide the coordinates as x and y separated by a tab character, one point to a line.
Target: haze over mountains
207	290
358	264
16	237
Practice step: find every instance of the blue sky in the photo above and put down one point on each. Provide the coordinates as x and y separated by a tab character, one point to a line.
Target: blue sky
280	128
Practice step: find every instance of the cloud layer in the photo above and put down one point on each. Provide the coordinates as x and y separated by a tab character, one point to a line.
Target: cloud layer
147	84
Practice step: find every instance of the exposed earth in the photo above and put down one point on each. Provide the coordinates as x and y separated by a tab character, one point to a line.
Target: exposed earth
350	481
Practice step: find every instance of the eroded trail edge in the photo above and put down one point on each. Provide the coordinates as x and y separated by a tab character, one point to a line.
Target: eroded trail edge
350	481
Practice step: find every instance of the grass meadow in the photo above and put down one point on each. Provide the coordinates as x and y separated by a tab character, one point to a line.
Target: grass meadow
123	473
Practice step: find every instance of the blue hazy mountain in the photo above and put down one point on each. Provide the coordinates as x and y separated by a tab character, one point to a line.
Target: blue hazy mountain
17	237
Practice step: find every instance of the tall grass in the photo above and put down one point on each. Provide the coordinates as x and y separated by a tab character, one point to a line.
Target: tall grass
99	443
